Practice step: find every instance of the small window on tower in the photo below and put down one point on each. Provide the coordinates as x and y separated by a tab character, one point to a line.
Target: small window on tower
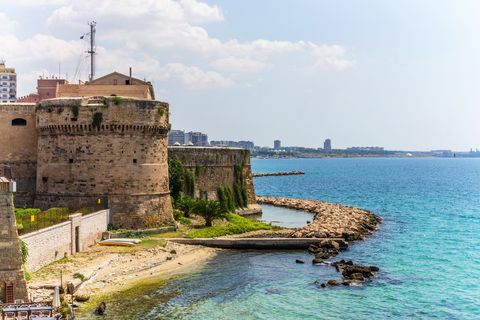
19	122
134	160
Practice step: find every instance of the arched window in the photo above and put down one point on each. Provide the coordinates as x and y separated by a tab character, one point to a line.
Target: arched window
19	122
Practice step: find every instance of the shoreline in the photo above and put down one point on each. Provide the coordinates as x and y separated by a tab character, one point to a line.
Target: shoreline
108	270
330	220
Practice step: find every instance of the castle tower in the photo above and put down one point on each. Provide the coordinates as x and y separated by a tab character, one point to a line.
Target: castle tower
12	281
105	152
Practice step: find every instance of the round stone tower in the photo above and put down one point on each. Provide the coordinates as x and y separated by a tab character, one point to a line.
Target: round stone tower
105	152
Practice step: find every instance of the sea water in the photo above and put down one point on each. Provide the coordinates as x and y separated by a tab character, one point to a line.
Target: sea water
427	248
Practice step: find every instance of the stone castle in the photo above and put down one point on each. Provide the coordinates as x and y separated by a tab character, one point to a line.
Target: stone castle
99	149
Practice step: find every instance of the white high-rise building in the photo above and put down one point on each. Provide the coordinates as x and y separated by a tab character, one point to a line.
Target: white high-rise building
8	84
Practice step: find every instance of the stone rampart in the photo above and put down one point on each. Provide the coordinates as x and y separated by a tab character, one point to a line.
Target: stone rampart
214	167
111	150
50	244
18	149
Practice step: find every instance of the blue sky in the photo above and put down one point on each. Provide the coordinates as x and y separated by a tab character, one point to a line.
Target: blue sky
398	74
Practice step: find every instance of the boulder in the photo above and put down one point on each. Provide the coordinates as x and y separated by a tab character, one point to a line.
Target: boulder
333	282
299	261
101	310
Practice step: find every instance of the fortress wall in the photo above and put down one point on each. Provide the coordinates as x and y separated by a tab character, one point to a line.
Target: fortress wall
214	168
122	161
53	243
18	149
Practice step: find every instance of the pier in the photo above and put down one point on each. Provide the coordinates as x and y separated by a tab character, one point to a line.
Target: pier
254	243
284	173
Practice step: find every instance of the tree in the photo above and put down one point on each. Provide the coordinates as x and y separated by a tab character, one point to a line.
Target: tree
209	210
186	205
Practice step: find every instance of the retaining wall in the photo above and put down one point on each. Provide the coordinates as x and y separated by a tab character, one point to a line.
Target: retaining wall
50	244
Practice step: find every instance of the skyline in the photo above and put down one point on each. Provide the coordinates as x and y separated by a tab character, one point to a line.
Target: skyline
395	75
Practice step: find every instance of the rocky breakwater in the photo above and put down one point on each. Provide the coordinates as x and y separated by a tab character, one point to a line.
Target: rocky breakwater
330	220
285	173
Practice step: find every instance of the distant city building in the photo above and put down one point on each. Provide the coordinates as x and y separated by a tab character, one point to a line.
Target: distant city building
327	145
8	84
277	144
196	138
249	145
365	149
176	137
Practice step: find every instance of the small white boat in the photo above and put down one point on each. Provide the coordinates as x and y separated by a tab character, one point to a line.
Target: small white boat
120	242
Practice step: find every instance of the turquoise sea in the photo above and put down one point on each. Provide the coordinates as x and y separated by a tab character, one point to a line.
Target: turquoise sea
427	248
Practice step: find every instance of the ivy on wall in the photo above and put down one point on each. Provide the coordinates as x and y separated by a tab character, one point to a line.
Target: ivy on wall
97	120
239	189
181	180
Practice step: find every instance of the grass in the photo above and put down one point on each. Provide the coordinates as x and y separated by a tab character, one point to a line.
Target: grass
235	225
43	219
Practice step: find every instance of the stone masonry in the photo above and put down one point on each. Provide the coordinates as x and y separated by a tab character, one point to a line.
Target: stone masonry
12	282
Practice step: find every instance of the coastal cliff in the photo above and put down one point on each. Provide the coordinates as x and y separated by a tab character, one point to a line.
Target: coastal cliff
331	220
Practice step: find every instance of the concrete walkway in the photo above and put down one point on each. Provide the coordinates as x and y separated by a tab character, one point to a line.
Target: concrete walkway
253	243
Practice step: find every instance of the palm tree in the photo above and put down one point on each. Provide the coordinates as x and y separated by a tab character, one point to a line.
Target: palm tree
209	210
186	205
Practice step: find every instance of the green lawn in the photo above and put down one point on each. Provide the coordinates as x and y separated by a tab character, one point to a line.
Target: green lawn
235	225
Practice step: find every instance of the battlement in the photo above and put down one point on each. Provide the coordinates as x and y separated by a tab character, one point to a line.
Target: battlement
102	113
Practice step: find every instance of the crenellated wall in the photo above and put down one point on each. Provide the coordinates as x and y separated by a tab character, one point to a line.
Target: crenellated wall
105	150
214	167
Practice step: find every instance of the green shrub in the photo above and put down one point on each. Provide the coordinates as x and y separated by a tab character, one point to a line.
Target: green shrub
24	251
97	120
181	180
185	221
177	214
75	111
79	276
236	225
117	100
239	189
19	213
209	210
186	206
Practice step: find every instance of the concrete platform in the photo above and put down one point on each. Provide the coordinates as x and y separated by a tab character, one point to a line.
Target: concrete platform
253	243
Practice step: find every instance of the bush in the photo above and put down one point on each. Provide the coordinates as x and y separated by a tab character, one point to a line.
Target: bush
181	180
97	120
236	225
209	210
116	100
79	276
24	251
177	214
186	206
20	213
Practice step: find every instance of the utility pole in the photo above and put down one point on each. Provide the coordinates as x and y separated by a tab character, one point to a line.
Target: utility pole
92	50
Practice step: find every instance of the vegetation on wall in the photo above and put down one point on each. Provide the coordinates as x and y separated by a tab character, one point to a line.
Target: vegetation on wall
24	250
116	100
161	110
199	170
182	180
75	111
225	197
97	120
239	189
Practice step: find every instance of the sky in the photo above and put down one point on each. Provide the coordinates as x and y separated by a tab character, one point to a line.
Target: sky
403	75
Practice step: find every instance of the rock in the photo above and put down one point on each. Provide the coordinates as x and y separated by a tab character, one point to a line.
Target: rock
82	297
374	268
357	276
101	310
335	245
169	258
317	261
333	282
173	251
299	261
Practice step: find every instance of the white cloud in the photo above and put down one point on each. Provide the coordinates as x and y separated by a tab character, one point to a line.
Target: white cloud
238	64
149	35
194	77
198	12
332	57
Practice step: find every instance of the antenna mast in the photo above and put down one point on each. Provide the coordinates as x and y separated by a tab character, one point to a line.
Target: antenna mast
92	49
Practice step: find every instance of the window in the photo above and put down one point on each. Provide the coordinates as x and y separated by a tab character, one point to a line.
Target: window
134	160
115	81
19	122
127	82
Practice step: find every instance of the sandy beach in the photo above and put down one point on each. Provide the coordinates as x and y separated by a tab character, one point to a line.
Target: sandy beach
110	269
